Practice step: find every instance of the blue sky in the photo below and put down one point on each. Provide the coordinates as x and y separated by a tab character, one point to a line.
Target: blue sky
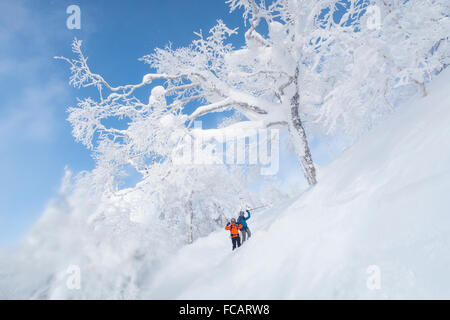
36	141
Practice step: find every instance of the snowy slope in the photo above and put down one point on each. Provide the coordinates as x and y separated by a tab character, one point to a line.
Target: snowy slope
384	202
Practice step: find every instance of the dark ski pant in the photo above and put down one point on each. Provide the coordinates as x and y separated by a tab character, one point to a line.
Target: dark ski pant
245	232
236	242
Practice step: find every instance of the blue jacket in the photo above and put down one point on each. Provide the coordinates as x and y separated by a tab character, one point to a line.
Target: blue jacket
243	220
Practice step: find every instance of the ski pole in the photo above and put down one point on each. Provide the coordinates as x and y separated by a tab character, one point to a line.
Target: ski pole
265	206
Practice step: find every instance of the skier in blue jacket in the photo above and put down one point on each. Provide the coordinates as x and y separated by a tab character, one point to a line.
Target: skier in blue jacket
242	220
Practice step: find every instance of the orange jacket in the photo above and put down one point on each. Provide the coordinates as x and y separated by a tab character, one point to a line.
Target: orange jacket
234	229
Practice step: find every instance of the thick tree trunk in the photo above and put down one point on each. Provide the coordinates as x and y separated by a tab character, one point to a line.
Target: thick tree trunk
298	136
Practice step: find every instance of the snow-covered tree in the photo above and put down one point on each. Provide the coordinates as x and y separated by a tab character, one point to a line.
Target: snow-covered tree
415	36
192	198
263	80
395	44
318	63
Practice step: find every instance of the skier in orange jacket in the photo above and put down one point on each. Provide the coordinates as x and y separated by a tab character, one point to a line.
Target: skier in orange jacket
234	231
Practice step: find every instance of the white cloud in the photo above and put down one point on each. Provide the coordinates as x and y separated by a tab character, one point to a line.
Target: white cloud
28	109
32	116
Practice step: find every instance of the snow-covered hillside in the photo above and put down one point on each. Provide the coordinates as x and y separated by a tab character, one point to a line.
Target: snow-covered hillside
382	208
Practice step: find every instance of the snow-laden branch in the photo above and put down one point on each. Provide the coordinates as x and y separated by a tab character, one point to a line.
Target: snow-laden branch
213	107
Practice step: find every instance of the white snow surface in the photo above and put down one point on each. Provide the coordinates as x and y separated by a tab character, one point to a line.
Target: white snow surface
384	202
